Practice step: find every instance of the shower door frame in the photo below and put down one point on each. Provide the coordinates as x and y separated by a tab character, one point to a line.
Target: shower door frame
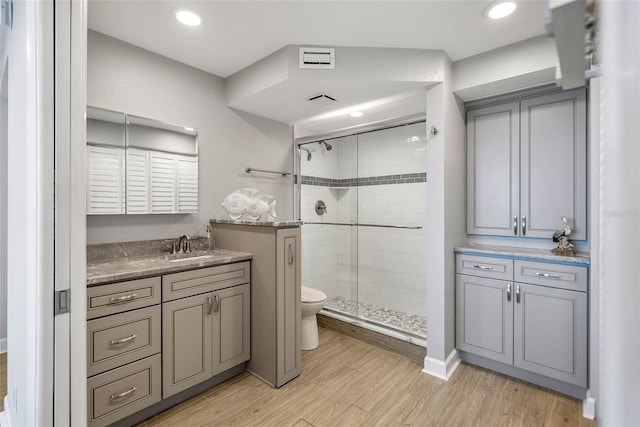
371	127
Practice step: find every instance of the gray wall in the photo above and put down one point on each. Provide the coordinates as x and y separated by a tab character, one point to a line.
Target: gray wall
126	78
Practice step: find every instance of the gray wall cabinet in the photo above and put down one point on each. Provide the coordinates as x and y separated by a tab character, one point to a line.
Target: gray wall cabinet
526	166
276	352
533	317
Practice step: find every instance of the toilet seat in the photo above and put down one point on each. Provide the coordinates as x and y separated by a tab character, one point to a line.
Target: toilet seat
310	295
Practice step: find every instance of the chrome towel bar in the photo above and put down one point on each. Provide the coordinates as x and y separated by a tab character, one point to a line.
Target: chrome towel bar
283	173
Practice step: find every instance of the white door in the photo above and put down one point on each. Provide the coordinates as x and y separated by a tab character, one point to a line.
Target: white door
70	396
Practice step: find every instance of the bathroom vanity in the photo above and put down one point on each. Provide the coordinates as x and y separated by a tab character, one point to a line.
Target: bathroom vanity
161	328
276	346
524	312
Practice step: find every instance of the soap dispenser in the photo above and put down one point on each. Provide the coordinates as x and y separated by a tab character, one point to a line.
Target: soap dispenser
209	239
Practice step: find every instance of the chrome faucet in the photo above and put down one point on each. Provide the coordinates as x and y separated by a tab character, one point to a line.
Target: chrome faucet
184	244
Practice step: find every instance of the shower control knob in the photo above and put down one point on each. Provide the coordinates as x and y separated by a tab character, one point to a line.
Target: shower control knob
321	208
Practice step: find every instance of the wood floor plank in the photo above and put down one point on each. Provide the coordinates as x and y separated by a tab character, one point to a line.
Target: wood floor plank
346	382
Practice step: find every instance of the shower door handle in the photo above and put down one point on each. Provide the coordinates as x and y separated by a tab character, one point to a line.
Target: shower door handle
291	256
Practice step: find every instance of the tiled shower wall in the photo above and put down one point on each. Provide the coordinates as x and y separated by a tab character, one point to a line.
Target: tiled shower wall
383	175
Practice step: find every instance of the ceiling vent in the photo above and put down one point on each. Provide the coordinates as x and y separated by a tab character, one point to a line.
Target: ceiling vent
322	99
323	58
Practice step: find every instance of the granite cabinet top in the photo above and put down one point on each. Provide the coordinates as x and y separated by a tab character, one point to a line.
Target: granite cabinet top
523	253
134	267
272	224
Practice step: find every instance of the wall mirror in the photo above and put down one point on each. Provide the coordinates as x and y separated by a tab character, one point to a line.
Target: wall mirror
137	165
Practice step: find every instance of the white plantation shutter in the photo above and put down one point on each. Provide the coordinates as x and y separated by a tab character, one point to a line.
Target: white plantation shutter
105	180
187	179
137	181
163	182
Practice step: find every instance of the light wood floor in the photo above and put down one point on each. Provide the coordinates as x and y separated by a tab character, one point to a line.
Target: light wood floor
3	379
347	382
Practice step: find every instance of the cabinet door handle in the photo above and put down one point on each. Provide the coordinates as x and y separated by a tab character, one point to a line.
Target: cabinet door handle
291	258
508	291
524	225
209	305
518	294
548	275
124	298
216	305
483	267
123	340
515	225
123	394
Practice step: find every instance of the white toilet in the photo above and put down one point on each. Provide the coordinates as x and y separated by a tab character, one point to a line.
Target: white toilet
312	302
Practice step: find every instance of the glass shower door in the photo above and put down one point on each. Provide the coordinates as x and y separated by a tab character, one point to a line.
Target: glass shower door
329	237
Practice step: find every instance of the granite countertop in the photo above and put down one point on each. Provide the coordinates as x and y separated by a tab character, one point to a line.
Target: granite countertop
134	267
273	224
525	253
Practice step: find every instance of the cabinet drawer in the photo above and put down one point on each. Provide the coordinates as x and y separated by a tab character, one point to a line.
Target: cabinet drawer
493	268
194	282
555	275
123	296
123	391
122	338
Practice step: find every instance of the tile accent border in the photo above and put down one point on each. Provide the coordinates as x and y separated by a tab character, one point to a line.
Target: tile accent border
407	178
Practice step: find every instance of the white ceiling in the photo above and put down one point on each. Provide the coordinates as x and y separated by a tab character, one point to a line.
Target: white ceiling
236	34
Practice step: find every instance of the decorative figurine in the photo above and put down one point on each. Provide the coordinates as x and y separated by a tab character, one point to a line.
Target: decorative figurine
562	237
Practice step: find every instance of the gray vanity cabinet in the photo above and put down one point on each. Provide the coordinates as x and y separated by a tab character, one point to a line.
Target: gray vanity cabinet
526	166
550	332
485	317
533	317
187	343
207	333
276	352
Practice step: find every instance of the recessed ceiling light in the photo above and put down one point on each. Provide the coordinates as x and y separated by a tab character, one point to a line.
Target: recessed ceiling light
188	18
500	9
357	114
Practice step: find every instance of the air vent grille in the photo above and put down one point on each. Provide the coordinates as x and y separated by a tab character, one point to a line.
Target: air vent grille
322	99
317	58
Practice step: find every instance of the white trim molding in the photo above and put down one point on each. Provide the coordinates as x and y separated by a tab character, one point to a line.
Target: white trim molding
589	406
442	369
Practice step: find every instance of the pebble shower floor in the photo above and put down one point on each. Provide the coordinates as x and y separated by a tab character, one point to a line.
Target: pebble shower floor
412	324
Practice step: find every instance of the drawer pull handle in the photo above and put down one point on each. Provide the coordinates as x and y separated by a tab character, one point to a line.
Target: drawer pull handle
216	306
123	394
515	225
209	306
124	298
508	291
524	225
123	340
483	267
291	258
548	275
518	294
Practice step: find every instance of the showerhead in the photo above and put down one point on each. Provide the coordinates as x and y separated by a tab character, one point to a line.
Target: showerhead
326	145
308	150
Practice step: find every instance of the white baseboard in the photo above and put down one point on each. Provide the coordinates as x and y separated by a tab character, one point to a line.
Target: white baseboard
589	406
5	420
3	345
442	369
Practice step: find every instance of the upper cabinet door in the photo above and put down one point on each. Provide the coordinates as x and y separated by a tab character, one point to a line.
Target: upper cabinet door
553	163
493	170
